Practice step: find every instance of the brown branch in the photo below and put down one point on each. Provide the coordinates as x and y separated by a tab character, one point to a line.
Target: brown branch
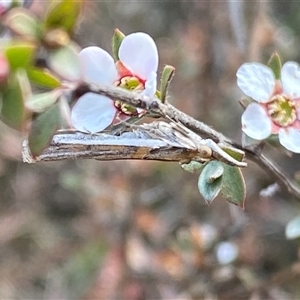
155	106
150	149
273	171
169	112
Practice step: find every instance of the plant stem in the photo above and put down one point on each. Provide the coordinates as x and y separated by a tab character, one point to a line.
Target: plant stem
169	112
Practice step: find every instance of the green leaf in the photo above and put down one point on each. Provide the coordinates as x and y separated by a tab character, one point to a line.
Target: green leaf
233	185
116	43
192	166
23	23
210	180
234	152
275	64
40	102
13	100
43	128
65	62
20	54
165	79
43	78
292	229
63	14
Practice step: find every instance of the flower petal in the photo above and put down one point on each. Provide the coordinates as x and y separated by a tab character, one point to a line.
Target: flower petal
120	117
290	78
290	139
138	53
256	123
256	81
150	85
98	66
92	113
5	4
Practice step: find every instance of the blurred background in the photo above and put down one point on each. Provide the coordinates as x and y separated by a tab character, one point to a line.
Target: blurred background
140	230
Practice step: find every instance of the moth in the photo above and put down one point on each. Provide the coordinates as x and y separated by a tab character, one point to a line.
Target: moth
154	141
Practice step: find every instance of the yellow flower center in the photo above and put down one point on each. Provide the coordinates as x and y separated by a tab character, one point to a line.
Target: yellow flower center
131	83
282	110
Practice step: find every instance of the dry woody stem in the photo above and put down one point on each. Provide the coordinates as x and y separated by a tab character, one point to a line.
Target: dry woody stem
152	142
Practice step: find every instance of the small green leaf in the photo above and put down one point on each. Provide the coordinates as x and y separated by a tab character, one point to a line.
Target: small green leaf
165	79
20	54
13	99
192	166
116	43
65	62
292	229
63	14
275	64
43	78
40	102
214	171
23	23
16	3
210	180
43	128
233	185
235	153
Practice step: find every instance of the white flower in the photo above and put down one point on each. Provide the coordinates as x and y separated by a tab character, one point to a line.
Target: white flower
136	71
4	6
277	106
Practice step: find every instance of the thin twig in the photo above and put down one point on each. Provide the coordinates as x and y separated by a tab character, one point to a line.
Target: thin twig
155	106
273	171
116	150
169	112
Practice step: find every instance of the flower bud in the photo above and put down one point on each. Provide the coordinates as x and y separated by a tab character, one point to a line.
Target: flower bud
4	68
56	38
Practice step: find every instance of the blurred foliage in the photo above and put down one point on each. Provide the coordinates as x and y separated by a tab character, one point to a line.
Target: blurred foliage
30	38
140	230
